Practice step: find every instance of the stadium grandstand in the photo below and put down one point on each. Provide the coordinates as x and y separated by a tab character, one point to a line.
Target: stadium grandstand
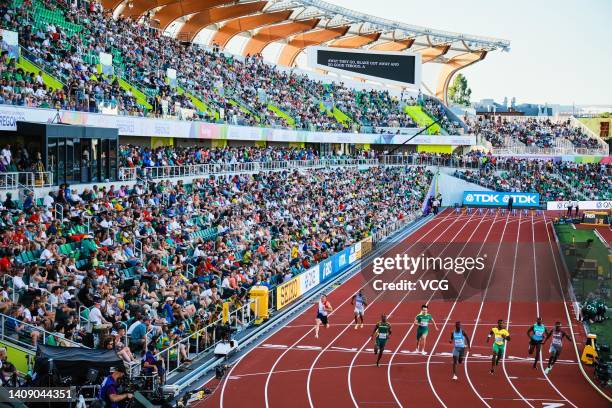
197	198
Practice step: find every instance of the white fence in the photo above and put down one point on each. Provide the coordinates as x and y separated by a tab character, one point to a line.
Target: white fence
154	173
15	180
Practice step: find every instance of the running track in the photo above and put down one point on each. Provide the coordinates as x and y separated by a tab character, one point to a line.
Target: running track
523	279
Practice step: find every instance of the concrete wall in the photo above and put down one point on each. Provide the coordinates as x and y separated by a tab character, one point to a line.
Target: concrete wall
452	188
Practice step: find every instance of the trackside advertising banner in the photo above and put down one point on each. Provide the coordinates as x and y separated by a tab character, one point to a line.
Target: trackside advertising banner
496	199
583	205
291	290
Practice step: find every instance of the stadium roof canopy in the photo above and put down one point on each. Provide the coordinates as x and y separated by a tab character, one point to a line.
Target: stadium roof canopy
297	24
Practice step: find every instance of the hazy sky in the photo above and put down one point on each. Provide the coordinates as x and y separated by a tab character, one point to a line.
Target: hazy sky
561	50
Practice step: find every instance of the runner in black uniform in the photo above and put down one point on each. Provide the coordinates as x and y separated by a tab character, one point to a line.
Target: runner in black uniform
557	345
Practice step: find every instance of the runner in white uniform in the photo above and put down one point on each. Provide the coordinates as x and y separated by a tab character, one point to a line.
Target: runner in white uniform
556	346
323	309
360	303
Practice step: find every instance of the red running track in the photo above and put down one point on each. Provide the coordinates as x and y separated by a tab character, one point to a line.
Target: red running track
523	278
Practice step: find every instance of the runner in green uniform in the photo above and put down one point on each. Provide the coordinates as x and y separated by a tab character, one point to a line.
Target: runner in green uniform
422	320
381	334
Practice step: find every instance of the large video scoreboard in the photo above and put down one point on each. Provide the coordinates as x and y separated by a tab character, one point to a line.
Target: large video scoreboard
398	68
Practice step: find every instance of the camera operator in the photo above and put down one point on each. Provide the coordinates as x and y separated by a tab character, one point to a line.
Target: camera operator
109	392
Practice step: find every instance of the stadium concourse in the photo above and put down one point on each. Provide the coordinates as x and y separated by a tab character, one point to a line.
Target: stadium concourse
523	279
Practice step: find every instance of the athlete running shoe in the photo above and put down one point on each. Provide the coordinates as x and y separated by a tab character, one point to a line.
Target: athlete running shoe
424	352
547	370
361	325
492	372
356	326
455	377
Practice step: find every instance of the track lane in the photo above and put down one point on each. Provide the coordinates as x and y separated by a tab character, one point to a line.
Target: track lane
529	382
367	380
494	390
322	381
406	376
466	310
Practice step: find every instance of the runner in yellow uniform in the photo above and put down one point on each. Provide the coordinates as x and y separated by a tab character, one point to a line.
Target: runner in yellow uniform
501	336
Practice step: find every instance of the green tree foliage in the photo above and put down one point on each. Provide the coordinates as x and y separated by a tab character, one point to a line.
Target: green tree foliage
459	92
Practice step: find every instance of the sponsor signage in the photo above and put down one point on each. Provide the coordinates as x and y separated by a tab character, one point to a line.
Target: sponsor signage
288	292
309	279
583	205
291	290
326	269
497	199
183	129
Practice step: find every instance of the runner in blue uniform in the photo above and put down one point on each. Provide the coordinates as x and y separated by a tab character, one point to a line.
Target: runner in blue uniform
536	335
460	340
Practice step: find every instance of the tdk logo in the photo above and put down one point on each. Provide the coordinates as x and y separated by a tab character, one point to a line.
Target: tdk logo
493	199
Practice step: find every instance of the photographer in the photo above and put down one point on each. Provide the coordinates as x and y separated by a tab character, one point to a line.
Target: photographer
109	393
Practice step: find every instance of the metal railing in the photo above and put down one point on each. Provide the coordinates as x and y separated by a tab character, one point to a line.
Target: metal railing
195	170
206	338
26	179
36	179
9	181
14	336
549	151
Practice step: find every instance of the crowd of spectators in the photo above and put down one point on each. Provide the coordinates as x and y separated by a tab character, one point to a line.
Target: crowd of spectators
238	89
554	181
531	132
138	156
141	275
435	108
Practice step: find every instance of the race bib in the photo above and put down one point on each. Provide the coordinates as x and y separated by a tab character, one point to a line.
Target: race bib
382	336
424	324
458	342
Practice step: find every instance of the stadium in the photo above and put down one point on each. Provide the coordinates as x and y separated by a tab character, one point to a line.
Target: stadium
220	203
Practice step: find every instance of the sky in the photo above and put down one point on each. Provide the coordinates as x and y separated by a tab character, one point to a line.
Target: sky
560	50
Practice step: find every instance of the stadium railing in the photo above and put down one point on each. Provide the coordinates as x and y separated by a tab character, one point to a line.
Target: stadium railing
36	179
17	337
9	181
207	338
549	151
153	173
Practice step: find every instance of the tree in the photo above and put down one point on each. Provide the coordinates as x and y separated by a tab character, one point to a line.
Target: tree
459	92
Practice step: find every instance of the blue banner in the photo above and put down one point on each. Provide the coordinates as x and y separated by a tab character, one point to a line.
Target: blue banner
326	269
334	265
496	199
